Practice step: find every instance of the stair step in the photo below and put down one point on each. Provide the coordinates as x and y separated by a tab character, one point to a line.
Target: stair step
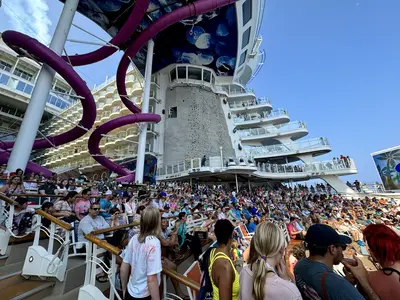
27	289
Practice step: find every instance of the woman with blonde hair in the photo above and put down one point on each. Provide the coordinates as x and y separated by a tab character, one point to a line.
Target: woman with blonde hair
266	276
142	261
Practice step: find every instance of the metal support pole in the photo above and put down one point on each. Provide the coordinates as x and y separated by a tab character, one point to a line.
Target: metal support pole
145	109
237	184
23	144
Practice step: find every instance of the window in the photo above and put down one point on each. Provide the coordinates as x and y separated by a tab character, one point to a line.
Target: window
28	89
173	112
173	74
181	72
246	10
242	58
246	37
4	79
206	75
60	90
21	86
23	74
5	66
194	73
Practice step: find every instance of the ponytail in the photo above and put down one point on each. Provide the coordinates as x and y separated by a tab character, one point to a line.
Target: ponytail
260	271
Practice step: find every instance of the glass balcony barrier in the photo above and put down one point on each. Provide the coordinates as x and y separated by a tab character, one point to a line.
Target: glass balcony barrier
19	85
241	118
285	148
271	129
259	101
315	167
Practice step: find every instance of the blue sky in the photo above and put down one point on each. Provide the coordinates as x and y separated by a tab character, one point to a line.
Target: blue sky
332	63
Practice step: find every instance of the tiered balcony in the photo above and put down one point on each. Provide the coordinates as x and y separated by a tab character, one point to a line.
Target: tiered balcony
318	146
275	117
315	169
294	129
250	105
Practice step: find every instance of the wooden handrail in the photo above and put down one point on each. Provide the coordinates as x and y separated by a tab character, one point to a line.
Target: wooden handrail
49	196
105	230
103	244
7	199
53	219
193	285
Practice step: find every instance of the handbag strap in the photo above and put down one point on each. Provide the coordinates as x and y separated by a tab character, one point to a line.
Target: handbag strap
323	289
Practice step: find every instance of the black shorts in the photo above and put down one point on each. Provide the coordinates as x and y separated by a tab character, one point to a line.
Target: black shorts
129	297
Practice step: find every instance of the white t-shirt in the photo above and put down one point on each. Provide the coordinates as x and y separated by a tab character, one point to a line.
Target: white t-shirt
144	259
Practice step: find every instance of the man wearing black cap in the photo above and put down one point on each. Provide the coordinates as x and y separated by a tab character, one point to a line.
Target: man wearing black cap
314	275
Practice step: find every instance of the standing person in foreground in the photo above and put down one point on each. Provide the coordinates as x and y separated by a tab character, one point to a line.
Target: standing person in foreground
266	276
384	246
223	275
142	260
314	275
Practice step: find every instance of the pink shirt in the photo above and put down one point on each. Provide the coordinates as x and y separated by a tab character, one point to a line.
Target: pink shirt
386	287
275	288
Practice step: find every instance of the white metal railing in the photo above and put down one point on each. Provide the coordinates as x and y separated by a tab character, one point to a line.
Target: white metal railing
271	129
244	104
197	165
185	167
21	85
315	167
284	148
241	118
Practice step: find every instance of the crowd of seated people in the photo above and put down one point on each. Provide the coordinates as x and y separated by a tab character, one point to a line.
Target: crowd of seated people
253	225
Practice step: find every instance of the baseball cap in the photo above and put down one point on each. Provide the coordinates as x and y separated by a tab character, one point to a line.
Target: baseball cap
321	235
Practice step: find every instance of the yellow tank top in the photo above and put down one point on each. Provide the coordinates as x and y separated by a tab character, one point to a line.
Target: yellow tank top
235	285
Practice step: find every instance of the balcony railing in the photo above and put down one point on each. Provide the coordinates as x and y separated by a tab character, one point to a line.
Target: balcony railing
259	116
214	164
285	148
19	85
271	129
315	167
244	104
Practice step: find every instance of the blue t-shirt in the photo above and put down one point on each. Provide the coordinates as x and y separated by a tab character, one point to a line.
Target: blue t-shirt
251	227
308	275
106	205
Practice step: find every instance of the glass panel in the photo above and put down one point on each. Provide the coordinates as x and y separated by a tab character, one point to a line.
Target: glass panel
181	72
242	58
246	37
246	9
213	79
194	73
28	89
21	86
4	79
173	74
5	66
206	75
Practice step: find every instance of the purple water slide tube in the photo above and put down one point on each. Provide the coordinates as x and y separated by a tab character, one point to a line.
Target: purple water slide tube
30	168
18	41
190	10
96	136
118	40
182	13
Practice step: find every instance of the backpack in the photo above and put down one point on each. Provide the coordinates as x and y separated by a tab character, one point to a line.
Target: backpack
206	290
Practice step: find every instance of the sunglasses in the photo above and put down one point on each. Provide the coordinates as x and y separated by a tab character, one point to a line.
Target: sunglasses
96	209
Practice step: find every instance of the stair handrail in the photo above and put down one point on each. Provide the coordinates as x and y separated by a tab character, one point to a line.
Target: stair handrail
90	274
110	229
193	285
55	220
8	199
